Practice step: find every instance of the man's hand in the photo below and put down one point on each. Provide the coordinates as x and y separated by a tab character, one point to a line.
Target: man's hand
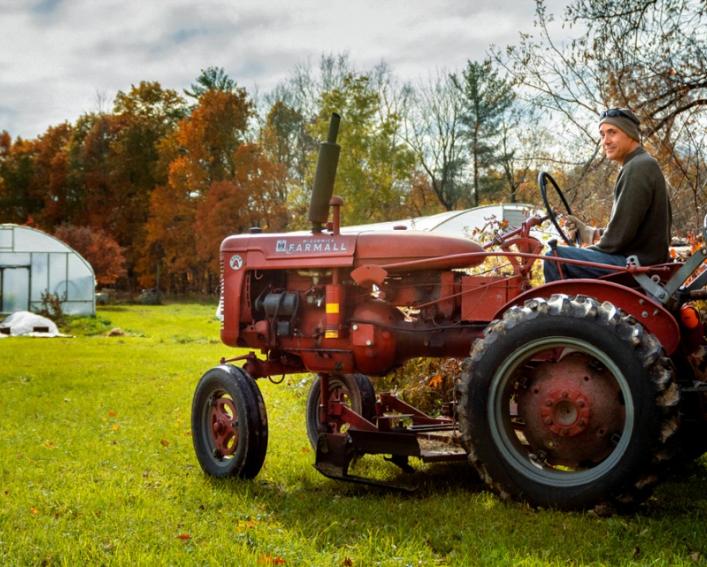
587	233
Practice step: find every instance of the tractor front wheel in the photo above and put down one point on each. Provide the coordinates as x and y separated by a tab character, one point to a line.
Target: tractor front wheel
354	390
229	423
568	403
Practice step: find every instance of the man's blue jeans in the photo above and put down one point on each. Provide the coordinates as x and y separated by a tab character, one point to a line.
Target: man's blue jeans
575	271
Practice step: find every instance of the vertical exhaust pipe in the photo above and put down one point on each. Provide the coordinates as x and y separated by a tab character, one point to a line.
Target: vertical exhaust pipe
324	177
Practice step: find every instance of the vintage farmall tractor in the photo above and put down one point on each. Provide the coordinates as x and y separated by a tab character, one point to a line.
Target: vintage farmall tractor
573	394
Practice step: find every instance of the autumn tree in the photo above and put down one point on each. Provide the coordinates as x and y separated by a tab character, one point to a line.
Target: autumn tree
289	135
202	152
51	177
5	145
98	248
18	201
144	116
286	141
170	246
249	199
375	164
210	136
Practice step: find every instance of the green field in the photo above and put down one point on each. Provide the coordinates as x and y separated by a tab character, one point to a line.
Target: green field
97	467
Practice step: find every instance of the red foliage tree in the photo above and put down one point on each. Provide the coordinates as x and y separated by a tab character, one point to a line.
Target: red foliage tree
98	248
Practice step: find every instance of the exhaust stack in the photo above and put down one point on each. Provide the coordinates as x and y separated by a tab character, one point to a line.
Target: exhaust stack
324	177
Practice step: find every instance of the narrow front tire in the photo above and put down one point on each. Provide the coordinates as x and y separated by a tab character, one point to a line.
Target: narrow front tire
229	423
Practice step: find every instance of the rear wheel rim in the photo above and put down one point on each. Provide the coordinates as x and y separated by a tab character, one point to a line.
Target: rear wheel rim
525	454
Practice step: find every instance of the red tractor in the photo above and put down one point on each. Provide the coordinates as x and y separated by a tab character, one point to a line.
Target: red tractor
573	393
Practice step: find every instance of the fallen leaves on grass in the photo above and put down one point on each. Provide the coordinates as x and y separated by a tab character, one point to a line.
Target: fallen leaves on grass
271	560
112	413
164	442
246	524
184	536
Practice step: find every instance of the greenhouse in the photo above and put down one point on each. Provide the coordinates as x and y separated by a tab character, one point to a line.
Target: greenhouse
33	264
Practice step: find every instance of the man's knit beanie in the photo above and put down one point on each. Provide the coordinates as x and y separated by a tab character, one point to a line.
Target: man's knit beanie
624	119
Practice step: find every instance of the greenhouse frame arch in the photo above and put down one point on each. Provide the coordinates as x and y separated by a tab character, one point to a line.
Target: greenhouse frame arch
33	263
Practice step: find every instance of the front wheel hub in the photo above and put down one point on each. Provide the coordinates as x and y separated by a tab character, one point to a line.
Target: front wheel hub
224	423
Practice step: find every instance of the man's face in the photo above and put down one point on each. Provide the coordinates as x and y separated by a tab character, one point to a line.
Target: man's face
617	144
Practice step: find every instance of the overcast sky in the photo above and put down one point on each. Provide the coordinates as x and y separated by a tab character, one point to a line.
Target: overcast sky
60	58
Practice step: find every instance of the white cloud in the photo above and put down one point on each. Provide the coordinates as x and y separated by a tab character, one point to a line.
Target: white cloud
58	57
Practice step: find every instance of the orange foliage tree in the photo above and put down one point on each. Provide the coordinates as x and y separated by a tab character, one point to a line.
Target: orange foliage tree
251	198
49	176
201	153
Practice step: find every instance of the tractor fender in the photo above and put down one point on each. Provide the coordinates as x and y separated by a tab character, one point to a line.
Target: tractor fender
651	314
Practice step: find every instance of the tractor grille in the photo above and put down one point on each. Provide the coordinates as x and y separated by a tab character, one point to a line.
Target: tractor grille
219	311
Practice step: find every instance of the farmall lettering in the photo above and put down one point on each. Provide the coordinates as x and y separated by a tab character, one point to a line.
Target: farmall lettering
310	245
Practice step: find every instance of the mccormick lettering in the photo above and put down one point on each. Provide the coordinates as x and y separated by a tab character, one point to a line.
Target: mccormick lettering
310	245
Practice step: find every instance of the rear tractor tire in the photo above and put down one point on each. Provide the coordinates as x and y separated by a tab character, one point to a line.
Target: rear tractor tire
355	390
229	423
568	403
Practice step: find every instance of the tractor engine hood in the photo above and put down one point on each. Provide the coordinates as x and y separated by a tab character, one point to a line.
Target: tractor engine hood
304	249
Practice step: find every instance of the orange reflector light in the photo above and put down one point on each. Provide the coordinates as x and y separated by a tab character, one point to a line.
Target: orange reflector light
689	316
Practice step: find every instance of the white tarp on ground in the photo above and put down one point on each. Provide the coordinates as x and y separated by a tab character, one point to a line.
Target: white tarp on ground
24	323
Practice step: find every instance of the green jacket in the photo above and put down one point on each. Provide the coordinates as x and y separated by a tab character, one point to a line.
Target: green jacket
641	215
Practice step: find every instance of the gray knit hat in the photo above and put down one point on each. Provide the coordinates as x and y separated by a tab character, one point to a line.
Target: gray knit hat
624	119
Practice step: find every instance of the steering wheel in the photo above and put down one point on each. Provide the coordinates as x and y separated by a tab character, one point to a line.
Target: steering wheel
543	178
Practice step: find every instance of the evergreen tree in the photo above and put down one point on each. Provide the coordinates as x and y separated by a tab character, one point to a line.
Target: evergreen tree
486	97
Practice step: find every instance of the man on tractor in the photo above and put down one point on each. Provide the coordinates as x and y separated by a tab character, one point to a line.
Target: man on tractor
640	216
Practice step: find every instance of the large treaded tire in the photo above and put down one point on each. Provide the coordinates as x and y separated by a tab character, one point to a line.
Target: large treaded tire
501	422
229	423
358	392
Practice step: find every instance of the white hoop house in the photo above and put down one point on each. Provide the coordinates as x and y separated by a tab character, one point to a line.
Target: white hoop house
33	263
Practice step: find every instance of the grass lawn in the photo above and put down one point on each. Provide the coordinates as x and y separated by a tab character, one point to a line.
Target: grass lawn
97	467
